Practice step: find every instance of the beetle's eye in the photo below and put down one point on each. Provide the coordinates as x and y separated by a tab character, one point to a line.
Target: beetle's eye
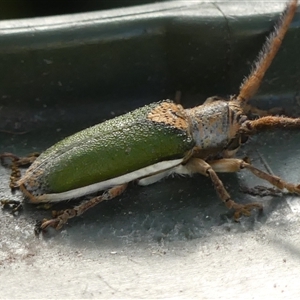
244	138
234	144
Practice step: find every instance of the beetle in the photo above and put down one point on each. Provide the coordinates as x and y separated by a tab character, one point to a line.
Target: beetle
153	142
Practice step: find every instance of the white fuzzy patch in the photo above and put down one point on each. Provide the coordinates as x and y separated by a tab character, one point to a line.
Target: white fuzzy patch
181	170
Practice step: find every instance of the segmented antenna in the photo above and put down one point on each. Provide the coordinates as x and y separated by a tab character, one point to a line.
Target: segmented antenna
270	48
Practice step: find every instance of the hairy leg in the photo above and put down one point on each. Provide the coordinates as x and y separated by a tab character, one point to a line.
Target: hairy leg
197	165
249	109
269	122
62	217
16	164
234	165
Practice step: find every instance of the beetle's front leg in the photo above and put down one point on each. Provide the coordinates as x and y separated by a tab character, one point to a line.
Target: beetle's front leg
249	109
234	165
197	165
62	217
269	122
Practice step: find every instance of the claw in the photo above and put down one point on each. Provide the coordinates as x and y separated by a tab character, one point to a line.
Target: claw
245	209
59	219
14	205
242	209
41	226
37	228
50	223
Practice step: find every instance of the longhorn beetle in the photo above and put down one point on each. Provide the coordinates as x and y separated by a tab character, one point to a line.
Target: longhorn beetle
153	142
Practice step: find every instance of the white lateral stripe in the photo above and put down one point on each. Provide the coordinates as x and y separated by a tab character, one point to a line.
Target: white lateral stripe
156	177
103	185
179	169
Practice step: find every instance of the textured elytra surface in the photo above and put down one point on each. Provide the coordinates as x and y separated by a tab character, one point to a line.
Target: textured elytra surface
107	150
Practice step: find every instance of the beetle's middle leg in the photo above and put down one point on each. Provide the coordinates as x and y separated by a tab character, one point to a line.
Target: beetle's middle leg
62	217
197	165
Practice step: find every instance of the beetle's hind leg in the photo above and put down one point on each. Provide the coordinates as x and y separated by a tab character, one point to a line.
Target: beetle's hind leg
62	217
197	165
16	164
19	161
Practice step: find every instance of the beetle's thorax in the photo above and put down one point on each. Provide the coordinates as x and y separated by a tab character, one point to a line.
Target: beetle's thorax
214	124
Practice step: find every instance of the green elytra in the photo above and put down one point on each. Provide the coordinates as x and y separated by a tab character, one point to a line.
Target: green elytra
107	150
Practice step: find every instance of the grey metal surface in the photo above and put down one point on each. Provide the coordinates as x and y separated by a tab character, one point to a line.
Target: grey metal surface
172	239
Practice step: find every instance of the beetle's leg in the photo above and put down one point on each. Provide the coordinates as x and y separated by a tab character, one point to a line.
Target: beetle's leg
261	191
15	171
16	163
249	109
234	165
197	165
270	122
13	205
19	161
28	160
62	217
14	176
